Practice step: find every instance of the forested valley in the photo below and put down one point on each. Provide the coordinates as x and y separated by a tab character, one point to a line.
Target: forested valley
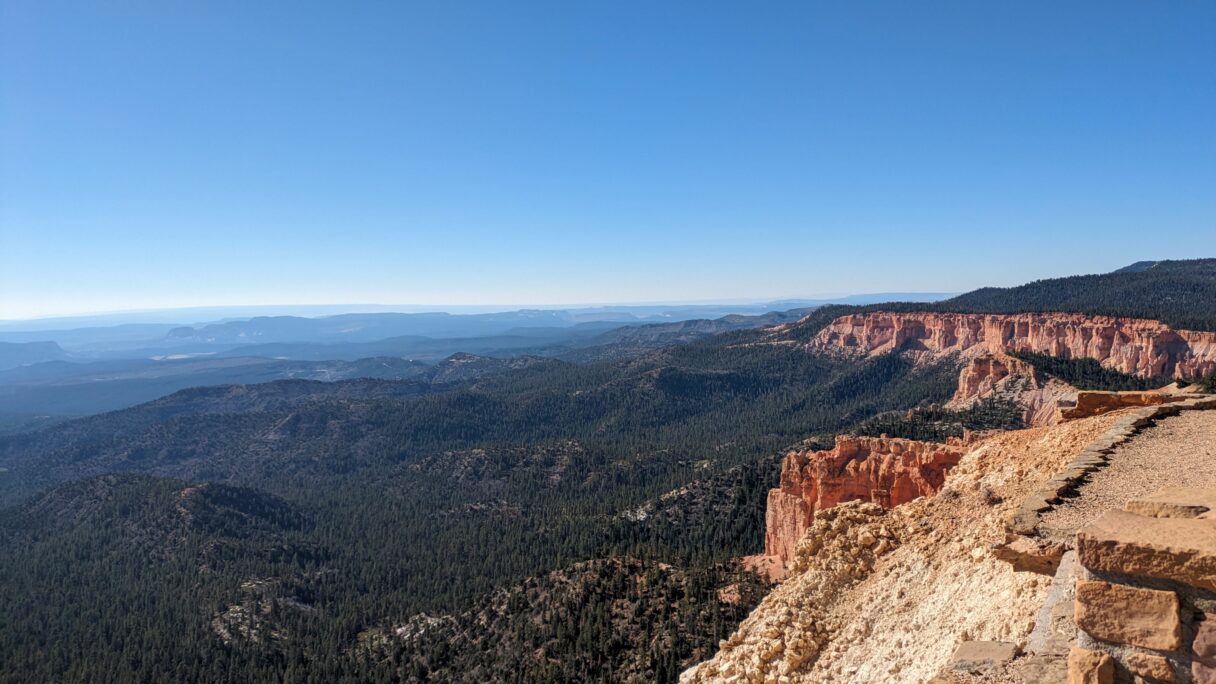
351	529
537	519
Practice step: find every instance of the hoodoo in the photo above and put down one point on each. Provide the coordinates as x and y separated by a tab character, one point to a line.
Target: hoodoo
882	470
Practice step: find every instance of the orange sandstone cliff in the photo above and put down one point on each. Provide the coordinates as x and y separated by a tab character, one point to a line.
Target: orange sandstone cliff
1130	345
882	470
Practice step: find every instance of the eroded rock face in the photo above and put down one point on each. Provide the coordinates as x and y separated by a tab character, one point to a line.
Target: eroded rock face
1001	375
1134	346
986	374
785	635
786	519
882	470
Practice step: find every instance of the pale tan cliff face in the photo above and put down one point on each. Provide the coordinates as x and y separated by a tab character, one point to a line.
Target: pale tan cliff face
881	470
1130	345
999	374
985	374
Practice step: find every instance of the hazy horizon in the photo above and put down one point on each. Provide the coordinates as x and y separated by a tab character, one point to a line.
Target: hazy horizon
58	312
312	310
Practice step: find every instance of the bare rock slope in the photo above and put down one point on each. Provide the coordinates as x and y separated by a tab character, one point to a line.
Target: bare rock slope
886	595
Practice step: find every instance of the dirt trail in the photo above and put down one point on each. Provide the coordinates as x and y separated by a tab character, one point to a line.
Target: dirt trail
1177	451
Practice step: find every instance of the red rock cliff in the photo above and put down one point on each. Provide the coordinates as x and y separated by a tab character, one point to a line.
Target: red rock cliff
1130	345
883	470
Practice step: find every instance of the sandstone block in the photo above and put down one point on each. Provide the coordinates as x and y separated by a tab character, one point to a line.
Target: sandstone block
1088	459
1039	501
1023	521
982	656
1150	667
1048	492
1129	615
1090	667
1176	502
1030	555
1040	668
1203	651
1179	549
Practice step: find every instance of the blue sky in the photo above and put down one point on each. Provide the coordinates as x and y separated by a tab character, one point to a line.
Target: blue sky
195	153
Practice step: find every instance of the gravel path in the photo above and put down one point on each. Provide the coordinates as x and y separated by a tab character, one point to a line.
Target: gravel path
1177	451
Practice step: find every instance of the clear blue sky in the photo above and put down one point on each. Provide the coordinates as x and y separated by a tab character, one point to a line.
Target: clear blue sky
187	153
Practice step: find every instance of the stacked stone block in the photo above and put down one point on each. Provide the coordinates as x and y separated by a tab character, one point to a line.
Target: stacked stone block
1146	597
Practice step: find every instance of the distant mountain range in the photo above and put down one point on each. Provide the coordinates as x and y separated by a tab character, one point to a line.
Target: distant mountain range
49	374
13	354
135	335
32	395
199	316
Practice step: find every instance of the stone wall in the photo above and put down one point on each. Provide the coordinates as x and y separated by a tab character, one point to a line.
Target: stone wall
1145	605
